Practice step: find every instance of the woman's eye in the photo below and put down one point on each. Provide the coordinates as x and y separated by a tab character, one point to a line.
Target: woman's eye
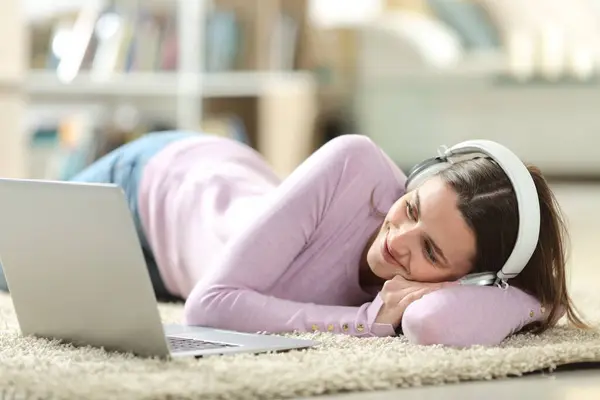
429	253
410	211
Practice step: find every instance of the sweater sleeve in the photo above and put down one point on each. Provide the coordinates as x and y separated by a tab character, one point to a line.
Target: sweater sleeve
464	316
236	294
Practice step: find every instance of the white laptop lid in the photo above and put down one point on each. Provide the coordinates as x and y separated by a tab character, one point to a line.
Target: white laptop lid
74	266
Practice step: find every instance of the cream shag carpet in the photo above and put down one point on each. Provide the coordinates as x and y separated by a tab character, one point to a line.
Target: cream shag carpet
37	368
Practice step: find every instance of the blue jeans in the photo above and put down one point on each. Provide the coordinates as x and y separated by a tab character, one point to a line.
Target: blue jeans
124	167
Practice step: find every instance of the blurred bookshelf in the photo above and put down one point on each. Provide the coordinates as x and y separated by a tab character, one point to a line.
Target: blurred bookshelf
237	67
410	75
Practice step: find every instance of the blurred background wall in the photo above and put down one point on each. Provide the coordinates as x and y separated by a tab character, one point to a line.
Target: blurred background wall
80	77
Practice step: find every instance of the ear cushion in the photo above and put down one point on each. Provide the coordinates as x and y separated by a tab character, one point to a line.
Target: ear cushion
478	279
423	171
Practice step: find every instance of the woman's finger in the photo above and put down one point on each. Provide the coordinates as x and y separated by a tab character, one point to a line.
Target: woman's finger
413	296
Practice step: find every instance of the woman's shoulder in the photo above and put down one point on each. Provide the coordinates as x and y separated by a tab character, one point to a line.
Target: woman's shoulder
361	152
351	143
352	151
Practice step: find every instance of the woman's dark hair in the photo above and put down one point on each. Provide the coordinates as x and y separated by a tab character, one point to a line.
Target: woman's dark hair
488	203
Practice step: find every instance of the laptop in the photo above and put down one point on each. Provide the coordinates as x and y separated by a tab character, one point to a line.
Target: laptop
76	272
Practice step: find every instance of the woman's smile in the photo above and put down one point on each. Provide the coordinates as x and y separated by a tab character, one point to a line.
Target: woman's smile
386	253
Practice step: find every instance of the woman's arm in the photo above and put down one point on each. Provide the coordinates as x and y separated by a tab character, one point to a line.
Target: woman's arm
464	316
236	296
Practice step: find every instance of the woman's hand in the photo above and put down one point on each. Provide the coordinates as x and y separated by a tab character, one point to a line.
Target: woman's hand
398	293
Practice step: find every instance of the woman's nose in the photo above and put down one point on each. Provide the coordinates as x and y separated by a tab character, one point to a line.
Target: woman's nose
400	239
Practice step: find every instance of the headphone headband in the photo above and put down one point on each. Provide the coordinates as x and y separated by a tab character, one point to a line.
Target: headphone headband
522	183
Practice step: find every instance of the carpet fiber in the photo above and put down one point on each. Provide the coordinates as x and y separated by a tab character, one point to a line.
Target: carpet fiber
38	368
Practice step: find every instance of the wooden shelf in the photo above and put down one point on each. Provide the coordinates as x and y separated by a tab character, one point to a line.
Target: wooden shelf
231	84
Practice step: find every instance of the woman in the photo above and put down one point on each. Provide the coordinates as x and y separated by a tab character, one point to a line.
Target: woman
337	246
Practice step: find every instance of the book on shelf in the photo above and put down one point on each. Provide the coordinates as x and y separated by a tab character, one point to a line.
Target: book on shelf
283	56
223	42
104	41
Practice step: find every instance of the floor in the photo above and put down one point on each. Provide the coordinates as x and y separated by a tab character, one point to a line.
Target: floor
584	385
580	204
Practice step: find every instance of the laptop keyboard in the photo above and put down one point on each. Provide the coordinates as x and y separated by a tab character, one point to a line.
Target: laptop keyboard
178	344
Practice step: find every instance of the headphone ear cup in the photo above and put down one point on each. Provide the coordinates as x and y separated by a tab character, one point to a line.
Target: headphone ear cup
423	171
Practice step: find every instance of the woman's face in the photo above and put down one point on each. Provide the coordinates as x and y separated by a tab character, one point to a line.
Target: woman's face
424	237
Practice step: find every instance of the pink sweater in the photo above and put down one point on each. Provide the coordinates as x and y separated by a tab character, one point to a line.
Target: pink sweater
251	253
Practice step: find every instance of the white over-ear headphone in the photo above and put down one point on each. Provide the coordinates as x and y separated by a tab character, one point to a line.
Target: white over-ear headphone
525	191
